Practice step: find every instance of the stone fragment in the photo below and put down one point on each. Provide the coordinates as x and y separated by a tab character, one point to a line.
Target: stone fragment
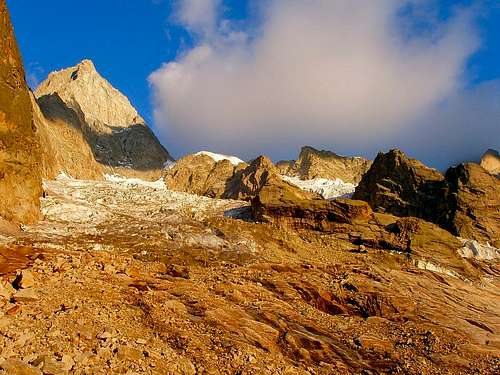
16	367
25	295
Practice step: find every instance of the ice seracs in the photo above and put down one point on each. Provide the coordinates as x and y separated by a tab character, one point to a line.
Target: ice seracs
328	189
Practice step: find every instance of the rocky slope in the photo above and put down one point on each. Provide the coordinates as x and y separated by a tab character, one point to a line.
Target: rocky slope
472	197
466	201
491	162
124	276
222	177
201	174
313	164
80	110
20	182
401	186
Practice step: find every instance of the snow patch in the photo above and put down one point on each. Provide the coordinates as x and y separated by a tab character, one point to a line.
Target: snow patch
169	164
473	249
130	182
218	157
328	189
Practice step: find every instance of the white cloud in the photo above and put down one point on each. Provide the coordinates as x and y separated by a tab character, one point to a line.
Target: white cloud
199	16
319	71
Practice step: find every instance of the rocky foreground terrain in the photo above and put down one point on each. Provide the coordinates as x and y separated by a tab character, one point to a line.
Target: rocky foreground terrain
125	276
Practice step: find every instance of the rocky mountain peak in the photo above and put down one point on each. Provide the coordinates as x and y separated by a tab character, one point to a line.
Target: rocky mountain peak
81	87
313	163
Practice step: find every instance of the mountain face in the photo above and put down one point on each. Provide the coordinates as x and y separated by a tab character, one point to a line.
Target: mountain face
313	164
491	162
82	117
400	186
466	201
20	182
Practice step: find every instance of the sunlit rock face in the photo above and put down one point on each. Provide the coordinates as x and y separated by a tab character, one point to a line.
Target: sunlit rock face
80	110
20	183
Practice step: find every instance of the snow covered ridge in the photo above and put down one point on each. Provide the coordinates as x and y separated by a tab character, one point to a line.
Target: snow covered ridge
218	157
473	249
328	189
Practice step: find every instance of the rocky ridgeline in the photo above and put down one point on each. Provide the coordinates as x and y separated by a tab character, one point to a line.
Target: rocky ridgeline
20	182
466	201
313	164
89	128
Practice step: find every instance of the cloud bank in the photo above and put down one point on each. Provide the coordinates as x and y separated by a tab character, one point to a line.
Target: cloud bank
349	75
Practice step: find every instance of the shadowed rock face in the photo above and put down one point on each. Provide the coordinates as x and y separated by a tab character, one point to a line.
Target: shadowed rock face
491	162
79	111
20	182
401	186
313	164
473	204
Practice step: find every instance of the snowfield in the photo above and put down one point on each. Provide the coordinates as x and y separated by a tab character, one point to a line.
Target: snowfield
328	189
218	157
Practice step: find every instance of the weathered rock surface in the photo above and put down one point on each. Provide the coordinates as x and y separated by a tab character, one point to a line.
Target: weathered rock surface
491	162
313	164
473	204
202	175
240	297
280	203
20	182
78	106
401	186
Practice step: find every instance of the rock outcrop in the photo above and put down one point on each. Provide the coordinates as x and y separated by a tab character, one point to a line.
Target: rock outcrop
472	198
281	203
20	181
401	186
491	162
313	164
202	175
77	106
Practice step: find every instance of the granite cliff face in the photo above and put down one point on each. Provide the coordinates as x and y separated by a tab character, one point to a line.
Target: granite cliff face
20	182
313	164
82	117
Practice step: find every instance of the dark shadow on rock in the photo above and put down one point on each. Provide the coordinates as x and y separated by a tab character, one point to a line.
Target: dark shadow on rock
134	147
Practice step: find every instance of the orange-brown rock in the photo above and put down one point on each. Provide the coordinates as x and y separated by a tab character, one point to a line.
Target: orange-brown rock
400	186
281	203
473	204
313	164
202	175
20	181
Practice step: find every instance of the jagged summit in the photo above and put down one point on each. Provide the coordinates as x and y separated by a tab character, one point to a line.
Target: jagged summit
78	105
491	161
313	163
82	87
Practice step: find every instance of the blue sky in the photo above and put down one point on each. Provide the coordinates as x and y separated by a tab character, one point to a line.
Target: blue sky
129	40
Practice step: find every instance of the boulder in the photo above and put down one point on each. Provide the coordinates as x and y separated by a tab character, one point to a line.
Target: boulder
20	180
314	163
401	186
491	162
282	203
472	198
